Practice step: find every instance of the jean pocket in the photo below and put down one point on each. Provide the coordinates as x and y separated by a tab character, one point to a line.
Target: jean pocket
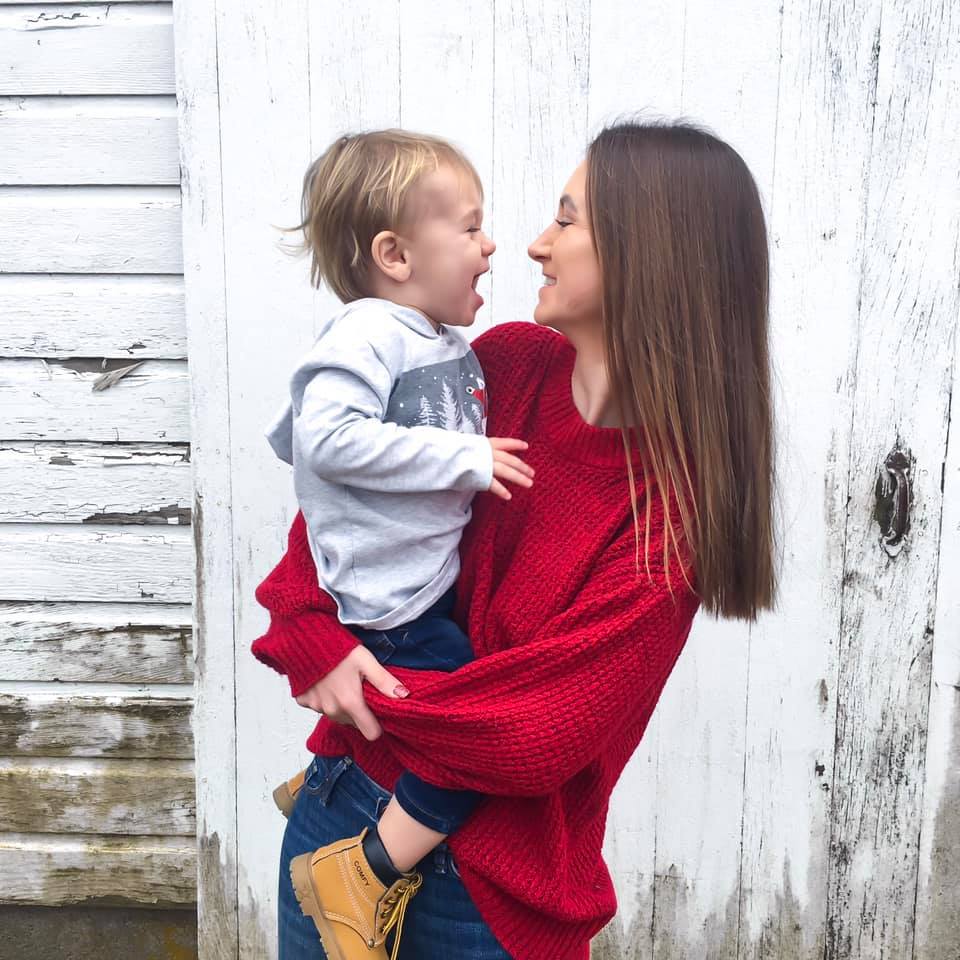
323	775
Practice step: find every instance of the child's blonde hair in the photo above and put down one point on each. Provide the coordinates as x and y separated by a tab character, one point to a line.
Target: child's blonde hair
357	187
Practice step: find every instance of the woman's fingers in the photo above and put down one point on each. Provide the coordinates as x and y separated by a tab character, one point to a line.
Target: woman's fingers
376	674
363	719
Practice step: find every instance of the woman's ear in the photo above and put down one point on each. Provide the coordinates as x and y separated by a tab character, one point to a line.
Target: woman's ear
389	256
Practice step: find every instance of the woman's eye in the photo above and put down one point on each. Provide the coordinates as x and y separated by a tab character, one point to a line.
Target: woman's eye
563	223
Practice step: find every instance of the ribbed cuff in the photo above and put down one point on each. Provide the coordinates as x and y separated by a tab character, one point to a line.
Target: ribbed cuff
304	648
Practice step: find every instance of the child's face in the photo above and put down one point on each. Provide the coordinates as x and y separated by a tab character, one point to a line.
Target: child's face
446	248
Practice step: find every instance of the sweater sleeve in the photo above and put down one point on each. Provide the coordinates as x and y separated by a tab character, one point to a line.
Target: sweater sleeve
305	640
523	720
526	719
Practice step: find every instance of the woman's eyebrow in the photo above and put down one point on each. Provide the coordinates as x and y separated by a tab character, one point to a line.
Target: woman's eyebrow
567	201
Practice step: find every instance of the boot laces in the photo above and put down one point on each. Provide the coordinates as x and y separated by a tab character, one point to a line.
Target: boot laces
394	908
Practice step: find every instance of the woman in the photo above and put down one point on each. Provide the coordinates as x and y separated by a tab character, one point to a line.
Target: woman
647	411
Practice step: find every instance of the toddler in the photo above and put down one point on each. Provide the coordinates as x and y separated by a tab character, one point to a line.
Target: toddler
385	431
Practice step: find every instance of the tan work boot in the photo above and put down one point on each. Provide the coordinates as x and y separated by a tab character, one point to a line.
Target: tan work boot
285	796
352	909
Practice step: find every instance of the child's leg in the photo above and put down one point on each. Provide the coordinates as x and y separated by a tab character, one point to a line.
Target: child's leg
417	818
407	841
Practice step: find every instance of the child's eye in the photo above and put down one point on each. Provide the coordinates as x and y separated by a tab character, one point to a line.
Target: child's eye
563	223
473	229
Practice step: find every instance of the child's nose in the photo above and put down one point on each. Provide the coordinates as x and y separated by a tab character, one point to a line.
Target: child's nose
488	246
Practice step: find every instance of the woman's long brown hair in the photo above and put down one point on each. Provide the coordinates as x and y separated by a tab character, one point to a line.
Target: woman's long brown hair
679	231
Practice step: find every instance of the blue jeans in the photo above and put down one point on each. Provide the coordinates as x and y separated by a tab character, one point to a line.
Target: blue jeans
431	642
338	800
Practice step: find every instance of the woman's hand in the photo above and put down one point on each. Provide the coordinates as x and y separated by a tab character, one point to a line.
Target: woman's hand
339	695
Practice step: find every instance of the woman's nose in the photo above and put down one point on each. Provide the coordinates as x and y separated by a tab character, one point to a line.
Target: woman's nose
539	249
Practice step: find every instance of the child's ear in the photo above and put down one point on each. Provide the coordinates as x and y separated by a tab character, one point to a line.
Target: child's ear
389	256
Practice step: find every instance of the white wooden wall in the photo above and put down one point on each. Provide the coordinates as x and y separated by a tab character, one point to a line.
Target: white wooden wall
96	555
796	795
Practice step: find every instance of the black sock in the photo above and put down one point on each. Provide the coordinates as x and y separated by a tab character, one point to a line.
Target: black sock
379	859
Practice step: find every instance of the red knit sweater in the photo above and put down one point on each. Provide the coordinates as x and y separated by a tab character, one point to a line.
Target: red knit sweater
573	648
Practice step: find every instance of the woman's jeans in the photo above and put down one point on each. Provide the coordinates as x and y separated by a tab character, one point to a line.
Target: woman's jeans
338	800
431	642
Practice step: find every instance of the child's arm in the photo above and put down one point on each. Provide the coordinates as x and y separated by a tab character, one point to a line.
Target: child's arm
340	434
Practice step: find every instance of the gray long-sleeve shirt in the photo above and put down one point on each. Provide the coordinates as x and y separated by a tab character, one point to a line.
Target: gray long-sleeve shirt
385	432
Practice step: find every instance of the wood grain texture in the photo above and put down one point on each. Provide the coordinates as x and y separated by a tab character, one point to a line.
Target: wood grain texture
433	43
95	483
132	727
125	797
90	230
540	110
54	562
128	317
110	642
816	226
700	793
903	374
88	140
55	400
118	871
86	49
322	70
199	96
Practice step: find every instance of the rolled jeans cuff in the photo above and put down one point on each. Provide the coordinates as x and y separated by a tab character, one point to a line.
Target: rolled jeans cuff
442	810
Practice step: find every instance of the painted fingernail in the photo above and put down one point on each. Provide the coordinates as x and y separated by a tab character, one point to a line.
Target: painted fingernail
400	691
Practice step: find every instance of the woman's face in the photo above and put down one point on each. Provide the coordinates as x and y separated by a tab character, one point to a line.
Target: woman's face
571	295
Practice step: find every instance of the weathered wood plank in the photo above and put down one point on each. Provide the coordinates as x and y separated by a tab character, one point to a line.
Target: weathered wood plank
90	230
86	49
817	244
88	140
136	871
937	919
908	315
93	562
198	51
542	114
53	725
434	44
128	797
128	317
55	400
93	316
95	483
112	643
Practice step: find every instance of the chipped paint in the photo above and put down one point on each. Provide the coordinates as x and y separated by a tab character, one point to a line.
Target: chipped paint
166	515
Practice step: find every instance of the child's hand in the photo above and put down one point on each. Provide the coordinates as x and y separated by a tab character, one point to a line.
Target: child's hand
508	467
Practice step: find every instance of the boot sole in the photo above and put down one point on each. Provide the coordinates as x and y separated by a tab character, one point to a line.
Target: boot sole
301	878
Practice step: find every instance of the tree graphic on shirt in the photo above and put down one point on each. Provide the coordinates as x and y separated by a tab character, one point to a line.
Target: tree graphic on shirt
475	418
427	417
450	414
